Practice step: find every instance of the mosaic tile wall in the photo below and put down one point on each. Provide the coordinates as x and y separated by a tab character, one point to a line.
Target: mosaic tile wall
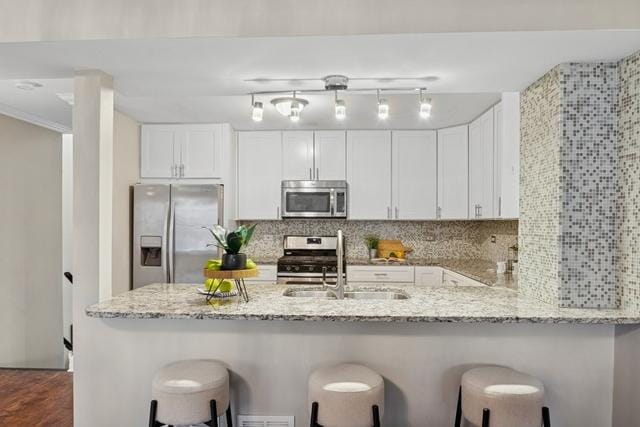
429	239
568	185
588	161
628	240
540	199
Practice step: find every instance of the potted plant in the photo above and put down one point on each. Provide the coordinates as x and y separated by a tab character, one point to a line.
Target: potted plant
232	243
372	245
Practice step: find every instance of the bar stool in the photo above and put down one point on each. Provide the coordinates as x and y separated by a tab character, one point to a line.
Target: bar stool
190	392
346	395
501	397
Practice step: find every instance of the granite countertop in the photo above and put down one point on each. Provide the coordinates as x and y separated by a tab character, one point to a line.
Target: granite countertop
426	304
477	269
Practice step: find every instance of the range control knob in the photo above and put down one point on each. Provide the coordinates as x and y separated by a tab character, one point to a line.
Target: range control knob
296	268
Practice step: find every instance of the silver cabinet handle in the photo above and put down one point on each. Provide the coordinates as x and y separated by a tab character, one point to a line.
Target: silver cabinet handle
397	210
181	170
310	173
278	212
317	173
380	274
479	211
388	212
499	206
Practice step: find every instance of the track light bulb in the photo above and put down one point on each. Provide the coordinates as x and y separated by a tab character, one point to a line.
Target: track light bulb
383	109
256	114
425	108
341	109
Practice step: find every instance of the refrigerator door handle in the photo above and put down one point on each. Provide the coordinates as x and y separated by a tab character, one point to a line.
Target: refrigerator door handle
171	241
165	243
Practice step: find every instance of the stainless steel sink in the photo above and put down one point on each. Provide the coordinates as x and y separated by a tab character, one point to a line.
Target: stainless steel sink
308	293
355	294
375	295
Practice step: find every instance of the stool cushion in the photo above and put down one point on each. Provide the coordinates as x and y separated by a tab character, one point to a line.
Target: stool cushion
514	398
184	389
346	394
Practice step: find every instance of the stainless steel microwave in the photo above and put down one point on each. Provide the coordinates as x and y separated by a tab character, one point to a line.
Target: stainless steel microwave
314	199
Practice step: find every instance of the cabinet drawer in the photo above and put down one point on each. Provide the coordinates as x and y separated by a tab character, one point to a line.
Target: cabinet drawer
385	274
429	276
266	273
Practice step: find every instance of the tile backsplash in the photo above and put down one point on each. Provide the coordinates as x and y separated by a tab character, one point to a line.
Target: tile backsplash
429	239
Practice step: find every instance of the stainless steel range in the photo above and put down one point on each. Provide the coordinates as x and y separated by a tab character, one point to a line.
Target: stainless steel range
304	259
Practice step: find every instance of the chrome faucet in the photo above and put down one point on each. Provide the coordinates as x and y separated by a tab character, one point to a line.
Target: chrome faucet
338	287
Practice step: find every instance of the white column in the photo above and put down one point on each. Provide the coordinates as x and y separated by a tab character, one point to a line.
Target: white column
92	203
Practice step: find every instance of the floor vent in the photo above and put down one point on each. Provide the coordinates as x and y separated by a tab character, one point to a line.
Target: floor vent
265	421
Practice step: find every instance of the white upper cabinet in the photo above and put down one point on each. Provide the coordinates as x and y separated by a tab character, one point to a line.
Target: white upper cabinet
453	173
259	174
200	151
481	167
369	174
330	155
507	156
415	166
297	155
181	151
158	148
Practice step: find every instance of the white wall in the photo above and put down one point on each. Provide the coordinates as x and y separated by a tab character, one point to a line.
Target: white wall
422	363
626	397
99	19
67	232
30	247
126	165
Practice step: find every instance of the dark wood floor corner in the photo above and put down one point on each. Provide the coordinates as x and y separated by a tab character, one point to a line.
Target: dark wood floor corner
30	398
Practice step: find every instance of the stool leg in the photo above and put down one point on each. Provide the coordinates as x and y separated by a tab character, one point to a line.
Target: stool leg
153	410
459	409
546	419
214	414
376	416
229	417
485	417
314	415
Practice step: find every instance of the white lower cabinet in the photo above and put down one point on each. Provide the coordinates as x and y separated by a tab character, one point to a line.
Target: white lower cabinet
402	275
428	276
259	175
375	274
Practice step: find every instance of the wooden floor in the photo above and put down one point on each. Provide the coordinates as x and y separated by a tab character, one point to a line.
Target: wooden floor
36	398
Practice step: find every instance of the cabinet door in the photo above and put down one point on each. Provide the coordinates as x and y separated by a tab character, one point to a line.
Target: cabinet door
507	156
157	145
259	174
429	276
330	155
297	155
369	174
415	173
200	151
481	166
453	172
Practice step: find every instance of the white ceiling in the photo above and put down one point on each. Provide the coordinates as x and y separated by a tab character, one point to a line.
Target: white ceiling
205	79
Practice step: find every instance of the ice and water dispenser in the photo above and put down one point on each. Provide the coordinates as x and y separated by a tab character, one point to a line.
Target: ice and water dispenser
151	251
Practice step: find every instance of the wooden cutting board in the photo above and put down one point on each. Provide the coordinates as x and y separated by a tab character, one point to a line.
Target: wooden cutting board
386	247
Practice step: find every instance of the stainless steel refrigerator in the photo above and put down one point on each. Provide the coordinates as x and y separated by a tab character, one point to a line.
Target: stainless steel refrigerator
169	243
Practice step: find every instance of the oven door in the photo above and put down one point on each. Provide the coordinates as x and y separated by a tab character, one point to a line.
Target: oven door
308	202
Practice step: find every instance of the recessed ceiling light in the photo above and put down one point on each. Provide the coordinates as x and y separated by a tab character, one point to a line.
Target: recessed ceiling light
66	97
27	85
